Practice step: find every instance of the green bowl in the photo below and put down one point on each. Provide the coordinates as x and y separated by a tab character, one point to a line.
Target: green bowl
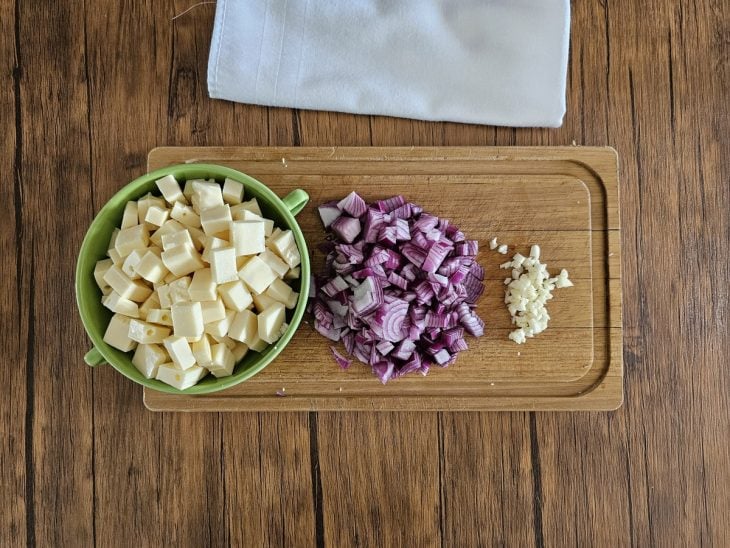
95	316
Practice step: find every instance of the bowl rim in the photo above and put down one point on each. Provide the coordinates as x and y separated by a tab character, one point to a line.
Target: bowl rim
83	301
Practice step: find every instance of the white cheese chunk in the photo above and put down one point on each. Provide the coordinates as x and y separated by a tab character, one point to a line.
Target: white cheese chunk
201	351
213	310
226	341
156	216
161	316
116	303
163	296
182	260
211	243
187	320
291	302
117	333
151	268
291	256
252	205
198	237
235	296
281	242
293	273
502	249
270	322
170	189
221	327
100	269
188	188
257	275
126	287
168	227
248	237
144	203
177	378
129	239
222	361
203	288
262	301
232	191
130	216
239	351
185	215
182	237
152	302
147	358
115	257
129	266
206	195
251	216
257	344
275	263
279	291
147	333
244	326
180	352
493	243
223	265
179	290
215	219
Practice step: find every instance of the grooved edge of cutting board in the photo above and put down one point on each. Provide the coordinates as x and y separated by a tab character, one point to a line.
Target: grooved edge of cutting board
565	198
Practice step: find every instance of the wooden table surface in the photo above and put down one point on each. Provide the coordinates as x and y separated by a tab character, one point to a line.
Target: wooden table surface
89	88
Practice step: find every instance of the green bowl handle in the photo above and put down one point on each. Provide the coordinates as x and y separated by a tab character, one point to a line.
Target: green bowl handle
93	358
296	200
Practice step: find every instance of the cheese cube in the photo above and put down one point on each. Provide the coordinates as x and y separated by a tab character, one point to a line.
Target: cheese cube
144	203
244	327
100	269
212	243
152	302
116	258
232	191
182	260
226	341
151	267
270	322
187	320
168	227
251	216
113	238
171	278
201	351
127	288
213	311
161	316
177	378
130	216
129	266
203	288
206	195
223	265
275	263
157	215
185	215
247	237
198	237
235	296
116	303
242	260
252	205
257	344
170	189
215	219
182	237
279	291
239	351
188	189
147	358
117	333
262	301
291	302
179	290
147	333
164	296
222	362
257	275
221	327
180	352
280	242
129	239
293	273
291	256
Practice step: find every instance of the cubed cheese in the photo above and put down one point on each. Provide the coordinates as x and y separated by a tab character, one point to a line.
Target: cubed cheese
147	333
188	188
281	242
144	203
161	316
212	243
130	216
117	333
251	216
235	296
129	266
170	189
163	296
220	328
203	288
257	344
201	351
129	239
239	351
215	219
187	320
180	352
147	358
100	269
279	291
152	302
115	257
213	310
223	265
126	287
116	303
227	341
275	263
151	267
177	378
257	275
179	290
206	195
252	205
181	237
182	260
232	192
244	327
185	215
198	237
262	301
247	237
270	321
156	215
291	302
293	273
291	256
222	361
168	227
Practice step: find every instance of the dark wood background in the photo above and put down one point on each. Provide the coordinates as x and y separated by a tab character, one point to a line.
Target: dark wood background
89	87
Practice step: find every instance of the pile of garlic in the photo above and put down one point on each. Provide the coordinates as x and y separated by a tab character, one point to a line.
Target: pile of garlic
528	290
196	279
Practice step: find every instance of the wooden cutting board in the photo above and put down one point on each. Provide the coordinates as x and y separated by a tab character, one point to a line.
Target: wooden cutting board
563	198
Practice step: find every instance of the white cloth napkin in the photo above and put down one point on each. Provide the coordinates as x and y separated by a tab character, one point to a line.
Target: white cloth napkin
498	62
